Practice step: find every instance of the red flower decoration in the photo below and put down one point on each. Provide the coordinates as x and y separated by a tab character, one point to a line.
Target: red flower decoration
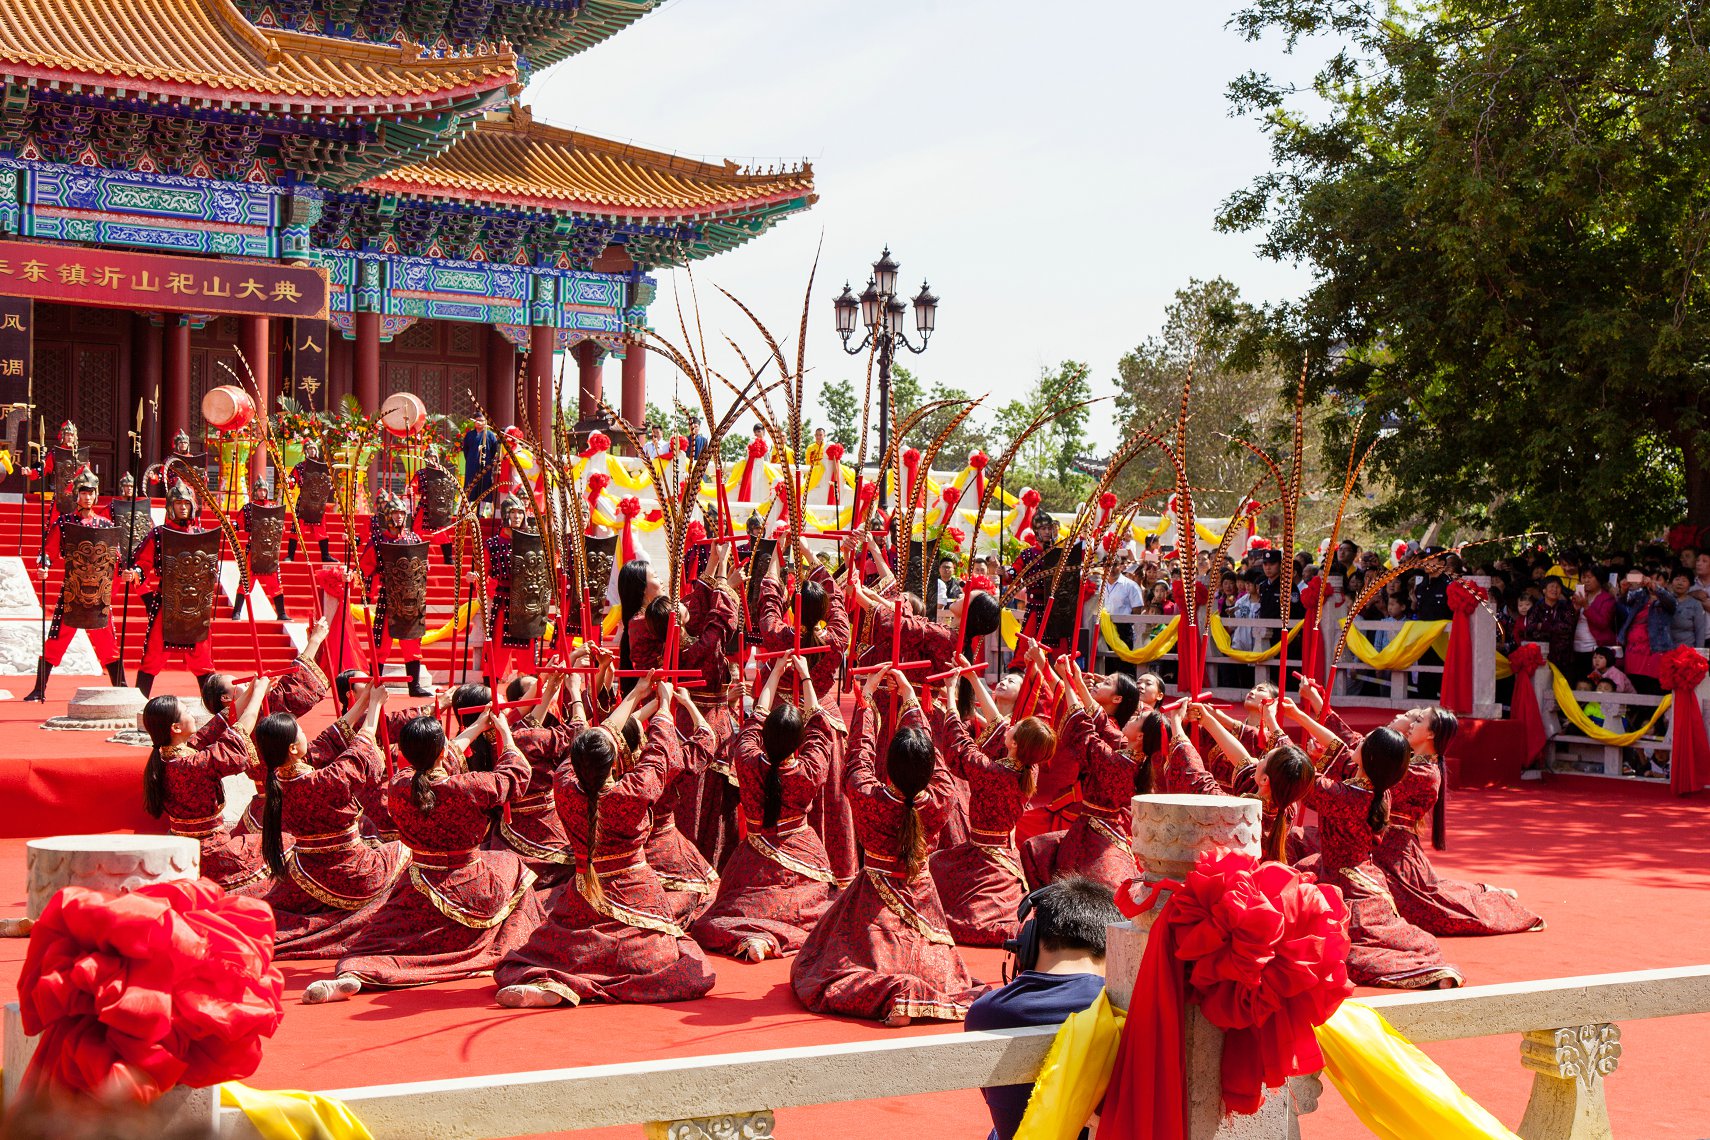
978	460
980	584
696	532
598	482
629	506
1253	509
597	442
1266	949
1526	659
1466	596
834	452
1110	540
1681	668
756	448
1030	498
869	492
1107	501
169	984
680	444
956	535
911	458
1260	542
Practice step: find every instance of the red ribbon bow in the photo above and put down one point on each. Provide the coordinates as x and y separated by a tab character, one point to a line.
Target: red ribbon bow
834	452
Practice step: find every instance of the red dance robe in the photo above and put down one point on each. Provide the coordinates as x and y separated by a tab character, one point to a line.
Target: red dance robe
980	880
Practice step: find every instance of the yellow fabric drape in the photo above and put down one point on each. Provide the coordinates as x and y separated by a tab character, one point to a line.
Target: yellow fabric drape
361	615
1161	643
1406	646
1568	705
1072	1081
609	624
1220	636
1397	1091
1009	628
289	1115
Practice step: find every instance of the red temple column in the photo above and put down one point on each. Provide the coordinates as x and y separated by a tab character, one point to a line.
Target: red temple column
367	380
589	380
635	385
501	394
254	341
175	387
542	343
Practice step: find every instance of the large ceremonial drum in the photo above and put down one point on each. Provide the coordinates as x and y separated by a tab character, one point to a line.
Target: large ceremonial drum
403	413
227	408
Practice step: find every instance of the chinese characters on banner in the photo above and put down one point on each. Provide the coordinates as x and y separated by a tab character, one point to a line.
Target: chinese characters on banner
308	370
15	314
160	282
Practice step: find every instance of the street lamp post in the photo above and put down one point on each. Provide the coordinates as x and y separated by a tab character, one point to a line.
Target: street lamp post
883	314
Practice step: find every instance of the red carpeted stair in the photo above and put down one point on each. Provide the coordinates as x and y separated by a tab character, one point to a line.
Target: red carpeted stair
233	644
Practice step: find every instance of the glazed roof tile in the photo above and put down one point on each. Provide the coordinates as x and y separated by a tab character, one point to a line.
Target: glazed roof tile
509	158
206	49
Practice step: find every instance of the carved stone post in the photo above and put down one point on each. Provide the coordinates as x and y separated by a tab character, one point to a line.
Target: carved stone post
1567	1093
1170	834
744	1126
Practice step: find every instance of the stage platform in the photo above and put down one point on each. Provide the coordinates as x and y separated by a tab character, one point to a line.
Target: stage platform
1620	870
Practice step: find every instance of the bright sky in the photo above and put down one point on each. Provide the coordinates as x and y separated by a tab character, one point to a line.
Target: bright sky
1053	171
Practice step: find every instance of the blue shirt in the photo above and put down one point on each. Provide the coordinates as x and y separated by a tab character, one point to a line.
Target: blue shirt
1031	999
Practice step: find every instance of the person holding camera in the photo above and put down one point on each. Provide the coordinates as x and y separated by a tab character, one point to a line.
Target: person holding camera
1648	632
1059	970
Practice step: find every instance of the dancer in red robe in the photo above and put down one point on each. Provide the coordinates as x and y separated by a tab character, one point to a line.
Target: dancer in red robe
980	881
531	827
689	880
704	807
609	936
1353	815
884	950
183	784
824	621
1119	765
1279	778
1443	907
778	884
458	910
326	879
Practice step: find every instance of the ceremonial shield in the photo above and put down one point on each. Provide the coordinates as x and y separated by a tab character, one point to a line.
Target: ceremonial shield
1066	608
66	464
602	560
266	528
439	498
404	577
314	490
189	565
91	555
531	588
133	522
918	573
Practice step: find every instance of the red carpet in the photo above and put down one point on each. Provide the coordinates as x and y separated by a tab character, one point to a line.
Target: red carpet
1620	873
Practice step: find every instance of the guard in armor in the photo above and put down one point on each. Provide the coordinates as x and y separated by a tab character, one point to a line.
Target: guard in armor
434	490
395	564
314	482
262	523
88	543
180	450
131	515
1037	566
519	593
179	565
60	468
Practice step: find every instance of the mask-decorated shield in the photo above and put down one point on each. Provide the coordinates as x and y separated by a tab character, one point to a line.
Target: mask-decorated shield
439	498
133	522
602	561
189	564
404	576
91	556
266	526
67	462
531	588
1065	609
314	490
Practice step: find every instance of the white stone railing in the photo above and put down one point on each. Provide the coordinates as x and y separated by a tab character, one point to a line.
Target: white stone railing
1571	1042
1571	750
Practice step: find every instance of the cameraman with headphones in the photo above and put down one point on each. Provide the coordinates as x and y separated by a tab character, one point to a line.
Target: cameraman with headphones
1059	964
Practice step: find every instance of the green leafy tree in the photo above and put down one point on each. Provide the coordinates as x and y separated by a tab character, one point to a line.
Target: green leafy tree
1046	460
842	412
1506	207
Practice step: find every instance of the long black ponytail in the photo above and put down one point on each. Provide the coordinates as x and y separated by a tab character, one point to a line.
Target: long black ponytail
158	717
1444	724
909	765
422	741
780	736
1383	758
592	757
274	736
632	596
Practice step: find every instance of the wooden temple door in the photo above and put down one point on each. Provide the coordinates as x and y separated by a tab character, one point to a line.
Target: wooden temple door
82	373
440	361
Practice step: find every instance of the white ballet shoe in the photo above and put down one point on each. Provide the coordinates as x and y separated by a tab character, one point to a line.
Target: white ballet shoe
331	989
527	997
15	927
753	950
897	1020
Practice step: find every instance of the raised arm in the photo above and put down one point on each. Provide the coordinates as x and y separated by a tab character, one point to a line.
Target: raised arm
1225	739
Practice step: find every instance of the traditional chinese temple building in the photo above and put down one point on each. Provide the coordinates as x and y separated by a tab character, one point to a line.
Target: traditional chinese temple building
345	191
